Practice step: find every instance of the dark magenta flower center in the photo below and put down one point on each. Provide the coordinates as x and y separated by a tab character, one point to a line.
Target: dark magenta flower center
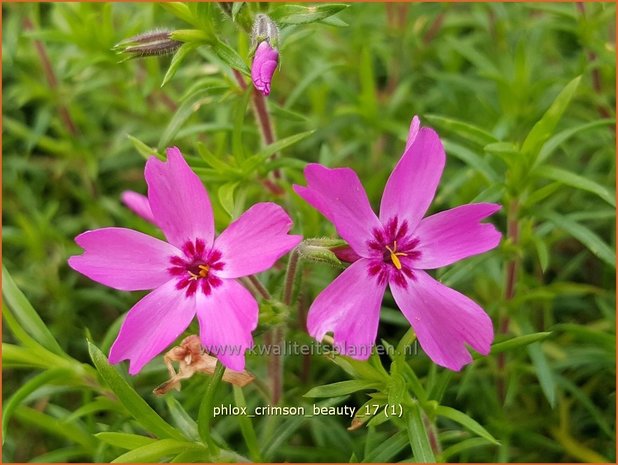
395	251
197	268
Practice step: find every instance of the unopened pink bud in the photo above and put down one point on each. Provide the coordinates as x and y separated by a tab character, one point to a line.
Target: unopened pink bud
265	62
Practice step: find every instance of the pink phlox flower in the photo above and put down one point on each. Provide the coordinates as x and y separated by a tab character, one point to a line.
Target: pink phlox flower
395	249
192	273
265	62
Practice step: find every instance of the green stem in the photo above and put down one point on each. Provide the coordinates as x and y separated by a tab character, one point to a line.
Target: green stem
259	287
290	277
206	410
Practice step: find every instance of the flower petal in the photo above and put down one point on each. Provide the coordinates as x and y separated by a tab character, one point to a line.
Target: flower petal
151	325
179	201
227	318
415	125
123	259
339	195
412	185
350	308
139	205
444	320
255	241
455	234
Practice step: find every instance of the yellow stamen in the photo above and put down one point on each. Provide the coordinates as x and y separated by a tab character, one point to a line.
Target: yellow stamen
201	274
203	270
395	255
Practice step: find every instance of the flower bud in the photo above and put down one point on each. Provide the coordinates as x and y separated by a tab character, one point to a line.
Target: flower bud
264	65
152	43
265	38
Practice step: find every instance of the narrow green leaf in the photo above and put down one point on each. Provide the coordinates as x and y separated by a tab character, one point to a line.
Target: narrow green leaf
180	10
465	130
341	388
544	128
143	149
555	141
133	402
301	14
205	414
542	252
27	316
246	426
466	421
125	440
576	181
239	112
25	390
177	60
236	9
230	57
471	159
281	144
517	342
226	197
591	240
543	372
386	451
417	435
154	452
184	111
55	427
462	446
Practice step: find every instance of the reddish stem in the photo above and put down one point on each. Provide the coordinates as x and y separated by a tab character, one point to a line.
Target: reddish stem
51	78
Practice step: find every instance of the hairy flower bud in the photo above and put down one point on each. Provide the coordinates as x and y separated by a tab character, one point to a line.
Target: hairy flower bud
265	28
265	38
151	43
264	65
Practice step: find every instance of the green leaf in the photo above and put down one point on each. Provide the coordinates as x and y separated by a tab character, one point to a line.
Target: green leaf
132	401
543	129
576	181
143	149
591	240
517	342
205	414
246	426
466	421
182	11
341	388
230	57
184	111
465	130
386	451
226	197
543	372
555	141
55	427
471	159
300	14
125	440
26	315
462	446
154	452
25	390
280	145
177	60
236	9
417	435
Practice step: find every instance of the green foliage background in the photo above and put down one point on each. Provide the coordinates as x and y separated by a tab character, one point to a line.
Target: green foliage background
483	75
